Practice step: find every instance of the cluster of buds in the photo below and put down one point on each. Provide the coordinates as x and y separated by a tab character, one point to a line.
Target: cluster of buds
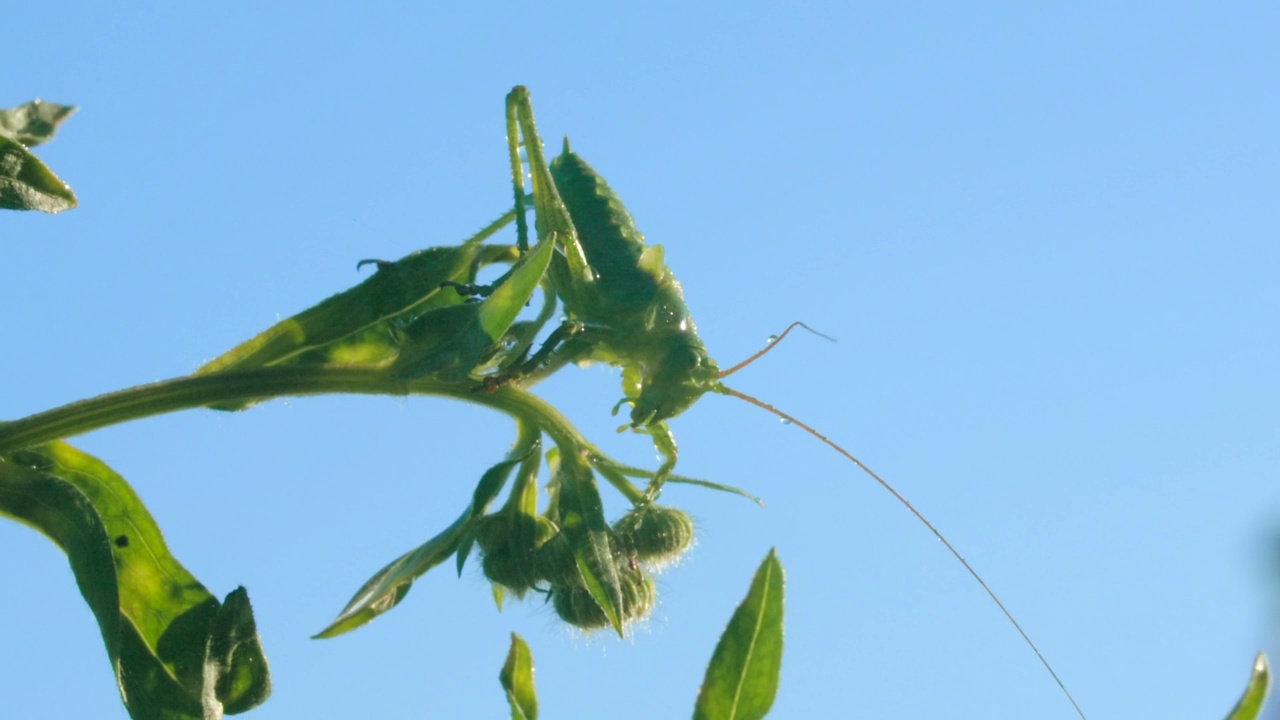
527	552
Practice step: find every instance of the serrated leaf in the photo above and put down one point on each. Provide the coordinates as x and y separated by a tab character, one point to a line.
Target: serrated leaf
34	122
1255	693
389	585
163	617
517	680
742	678
26	184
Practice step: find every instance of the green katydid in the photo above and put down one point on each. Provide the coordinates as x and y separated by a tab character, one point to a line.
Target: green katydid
626	308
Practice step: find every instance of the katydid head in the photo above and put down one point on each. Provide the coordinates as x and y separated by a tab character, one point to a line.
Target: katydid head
673	382
680	376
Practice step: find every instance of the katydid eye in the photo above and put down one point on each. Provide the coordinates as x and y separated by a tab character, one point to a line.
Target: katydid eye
690	358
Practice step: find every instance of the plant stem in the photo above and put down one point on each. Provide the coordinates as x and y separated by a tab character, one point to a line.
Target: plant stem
241	386
238	386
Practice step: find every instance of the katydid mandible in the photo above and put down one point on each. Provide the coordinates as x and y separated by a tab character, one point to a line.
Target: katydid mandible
626	308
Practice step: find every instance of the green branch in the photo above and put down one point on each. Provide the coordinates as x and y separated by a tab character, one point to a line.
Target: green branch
263	384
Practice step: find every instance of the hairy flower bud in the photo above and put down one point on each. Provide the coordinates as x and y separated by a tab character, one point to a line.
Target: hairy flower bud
575	605
657	534
510	545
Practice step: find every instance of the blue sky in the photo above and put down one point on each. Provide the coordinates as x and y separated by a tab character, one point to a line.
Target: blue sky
1045	238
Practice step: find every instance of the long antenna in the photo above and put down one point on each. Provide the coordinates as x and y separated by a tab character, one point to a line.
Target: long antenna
773	343
990	593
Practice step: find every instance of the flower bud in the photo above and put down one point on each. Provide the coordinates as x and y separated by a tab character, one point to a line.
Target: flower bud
575	605
510	545
556	563
657	534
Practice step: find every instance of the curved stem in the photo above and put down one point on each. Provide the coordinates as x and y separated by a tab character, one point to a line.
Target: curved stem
239	386
610	473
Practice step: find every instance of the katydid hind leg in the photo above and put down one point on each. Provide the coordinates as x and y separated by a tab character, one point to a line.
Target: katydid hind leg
551	214
517	169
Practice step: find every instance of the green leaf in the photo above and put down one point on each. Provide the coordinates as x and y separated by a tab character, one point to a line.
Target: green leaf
233	679
517	679
389	585
492	482
594	558
451	342
582	518
26	184
352	326
34	122
63	514
500	309
1255	694
528	448
681	479
156	619
487	489
465	545
742	678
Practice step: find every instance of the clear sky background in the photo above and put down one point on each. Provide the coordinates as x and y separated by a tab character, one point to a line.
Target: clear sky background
1046	239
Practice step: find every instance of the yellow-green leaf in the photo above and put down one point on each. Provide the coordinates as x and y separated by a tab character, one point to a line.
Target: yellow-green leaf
352	325
517	679
742	678
389	585
451	342
160	626
1255	693
26	184
34	122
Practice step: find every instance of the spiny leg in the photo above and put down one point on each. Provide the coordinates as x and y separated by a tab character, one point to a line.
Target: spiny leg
517	170
539	360
469	290
483	234
665	443
570	342
552	215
